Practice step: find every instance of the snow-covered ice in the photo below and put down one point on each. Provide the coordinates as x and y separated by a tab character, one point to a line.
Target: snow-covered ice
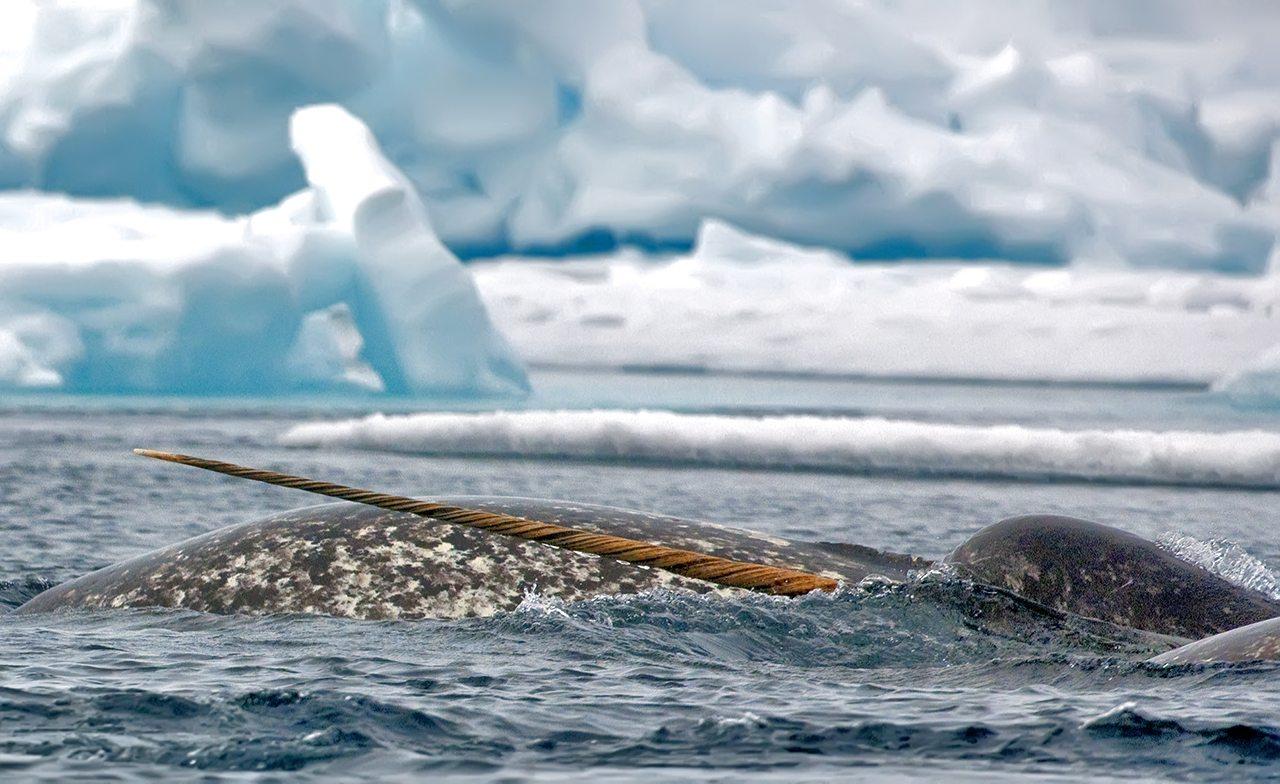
744	303
1096	188
342	285
1255	382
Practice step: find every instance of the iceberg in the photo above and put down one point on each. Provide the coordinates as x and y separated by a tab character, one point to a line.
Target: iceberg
341	286
883	130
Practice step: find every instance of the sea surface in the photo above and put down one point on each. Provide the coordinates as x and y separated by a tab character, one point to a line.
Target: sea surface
874	682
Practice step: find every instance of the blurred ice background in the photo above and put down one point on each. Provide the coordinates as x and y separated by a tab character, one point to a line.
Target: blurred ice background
263	197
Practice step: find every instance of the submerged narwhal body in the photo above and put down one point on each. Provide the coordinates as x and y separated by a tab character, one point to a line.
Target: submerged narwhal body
1097	571
359	562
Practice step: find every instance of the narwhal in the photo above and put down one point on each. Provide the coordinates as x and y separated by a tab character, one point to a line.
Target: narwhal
388	556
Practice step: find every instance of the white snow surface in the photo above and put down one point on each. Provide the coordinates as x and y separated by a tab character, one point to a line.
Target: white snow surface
1127	133
343	285
852	445
1254	383
750	304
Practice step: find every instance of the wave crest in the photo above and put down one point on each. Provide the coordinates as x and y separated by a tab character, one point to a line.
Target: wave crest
1224	558
857	445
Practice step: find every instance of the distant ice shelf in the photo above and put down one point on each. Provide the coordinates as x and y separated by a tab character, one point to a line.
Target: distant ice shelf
749	304
342	286
1255	383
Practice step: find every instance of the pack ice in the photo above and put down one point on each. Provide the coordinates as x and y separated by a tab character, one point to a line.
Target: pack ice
343	285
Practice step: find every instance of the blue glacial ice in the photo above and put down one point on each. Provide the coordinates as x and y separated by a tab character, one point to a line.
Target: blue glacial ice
343	285
1254	383
177	220
994	128
1243	458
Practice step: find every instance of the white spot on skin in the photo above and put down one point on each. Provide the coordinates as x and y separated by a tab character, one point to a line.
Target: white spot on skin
368	569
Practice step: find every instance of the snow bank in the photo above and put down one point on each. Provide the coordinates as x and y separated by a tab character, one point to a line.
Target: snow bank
342	285
745	303
991	128
853	445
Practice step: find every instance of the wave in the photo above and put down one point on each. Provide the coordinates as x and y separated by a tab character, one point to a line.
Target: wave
16	592
857	445
1225	558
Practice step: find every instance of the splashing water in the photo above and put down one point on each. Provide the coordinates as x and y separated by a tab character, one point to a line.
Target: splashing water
934	677
1224	558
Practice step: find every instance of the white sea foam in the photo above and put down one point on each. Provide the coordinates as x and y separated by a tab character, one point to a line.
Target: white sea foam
852	445
1225	558
1254	383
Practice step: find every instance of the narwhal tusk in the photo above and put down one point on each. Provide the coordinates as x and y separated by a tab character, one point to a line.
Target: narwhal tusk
774	580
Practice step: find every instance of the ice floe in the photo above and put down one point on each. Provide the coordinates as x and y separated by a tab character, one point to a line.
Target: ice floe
343	285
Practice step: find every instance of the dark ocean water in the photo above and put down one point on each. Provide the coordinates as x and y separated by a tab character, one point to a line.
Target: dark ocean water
885	682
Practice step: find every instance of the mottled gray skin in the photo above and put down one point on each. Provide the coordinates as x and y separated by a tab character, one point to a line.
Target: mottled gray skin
1101	572
355	561
1256	642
